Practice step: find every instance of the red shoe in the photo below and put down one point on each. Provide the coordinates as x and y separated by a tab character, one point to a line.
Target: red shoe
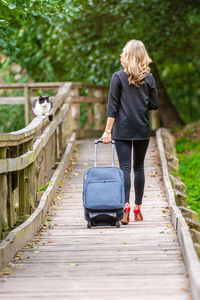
137	213
126	218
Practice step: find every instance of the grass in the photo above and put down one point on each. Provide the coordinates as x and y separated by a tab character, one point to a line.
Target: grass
188	151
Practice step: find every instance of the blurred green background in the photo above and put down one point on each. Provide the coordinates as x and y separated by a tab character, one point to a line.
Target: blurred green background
82	40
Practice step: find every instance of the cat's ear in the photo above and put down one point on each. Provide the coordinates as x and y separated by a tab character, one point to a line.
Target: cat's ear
40	98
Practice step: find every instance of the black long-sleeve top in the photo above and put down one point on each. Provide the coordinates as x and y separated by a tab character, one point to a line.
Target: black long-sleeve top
130	106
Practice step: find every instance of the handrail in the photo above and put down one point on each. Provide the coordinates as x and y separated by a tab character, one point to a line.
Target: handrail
28	159
31	85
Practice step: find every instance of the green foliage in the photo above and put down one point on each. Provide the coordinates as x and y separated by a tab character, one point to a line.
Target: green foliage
185	144
12	117
44	188
189	161
83	114
82	40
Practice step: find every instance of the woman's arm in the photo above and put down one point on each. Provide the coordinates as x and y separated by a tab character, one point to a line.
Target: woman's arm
153	94
113	106
114	96
107	136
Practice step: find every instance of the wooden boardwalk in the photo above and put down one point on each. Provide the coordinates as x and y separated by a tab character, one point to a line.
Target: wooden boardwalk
68	261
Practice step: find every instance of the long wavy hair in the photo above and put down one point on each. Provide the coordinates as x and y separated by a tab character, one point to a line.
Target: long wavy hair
135	61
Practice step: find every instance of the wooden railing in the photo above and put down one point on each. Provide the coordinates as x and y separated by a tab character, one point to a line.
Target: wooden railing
29	157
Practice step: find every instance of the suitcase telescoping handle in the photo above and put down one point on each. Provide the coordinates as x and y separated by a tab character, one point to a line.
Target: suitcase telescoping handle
113	151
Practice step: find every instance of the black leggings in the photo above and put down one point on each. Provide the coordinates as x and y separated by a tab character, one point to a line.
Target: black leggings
124	152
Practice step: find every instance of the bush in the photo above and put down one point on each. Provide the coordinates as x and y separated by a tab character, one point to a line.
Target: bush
188	151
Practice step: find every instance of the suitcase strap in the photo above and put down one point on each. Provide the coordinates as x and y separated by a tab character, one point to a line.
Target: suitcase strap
113	151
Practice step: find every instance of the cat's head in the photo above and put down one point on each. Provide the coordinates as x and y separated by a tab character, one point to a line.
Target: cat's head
43	100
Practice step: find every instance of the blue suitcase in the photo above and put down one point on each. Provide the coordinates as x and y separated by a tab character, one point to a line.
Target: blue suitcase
103	193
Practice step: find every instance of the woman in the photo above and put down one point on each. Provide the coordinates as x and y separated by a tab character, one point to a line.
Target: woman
132	94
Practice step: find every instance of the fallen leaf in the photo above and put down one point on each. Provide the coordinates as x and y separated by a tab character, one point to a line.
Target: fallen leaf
75	174
151	186
5	273
184	288
72	265
170	225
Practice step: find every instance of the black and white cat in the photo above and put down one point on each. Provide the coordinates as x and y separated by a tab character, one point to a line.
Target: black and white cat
43	106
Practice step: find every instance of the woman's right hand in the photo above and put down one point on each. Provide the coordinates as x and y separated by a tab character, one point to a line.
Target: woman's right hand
106	137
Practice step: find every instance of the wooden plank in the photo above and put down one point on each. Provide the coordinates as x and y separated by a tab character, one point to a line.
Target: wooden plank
34	85
12	100
88	86
3	198
87	99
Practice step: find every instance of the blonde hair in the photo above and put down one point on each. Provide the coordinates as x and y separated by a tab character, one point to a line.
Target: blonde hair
135	61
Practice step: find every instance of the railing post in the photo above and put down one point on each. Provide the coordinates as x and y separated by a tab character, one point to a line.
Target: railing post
155	119
27	194
60	136
3	198
99	111
67	125
75	110
89	122
27	104
13	189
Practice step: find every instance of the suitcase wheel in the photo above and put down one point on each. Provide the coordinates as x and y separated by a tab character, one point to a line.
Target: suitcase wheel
89	225
117	224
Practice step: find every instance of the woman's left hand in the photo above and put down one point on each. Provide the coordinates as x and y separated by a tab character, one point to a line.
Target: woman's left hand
106	137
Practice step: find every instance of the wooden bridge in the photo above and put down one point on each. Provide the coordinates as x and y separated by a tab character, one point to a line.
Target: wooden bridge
46	250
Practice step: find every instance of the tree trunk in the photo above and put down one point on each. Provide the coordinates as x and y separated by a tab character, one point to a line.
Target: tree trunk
168	113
